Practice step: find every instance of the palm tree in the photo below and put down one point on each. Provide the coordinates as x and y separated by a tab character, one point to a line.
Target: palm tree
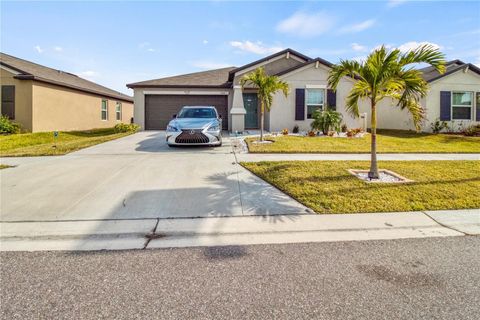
266	86
387	73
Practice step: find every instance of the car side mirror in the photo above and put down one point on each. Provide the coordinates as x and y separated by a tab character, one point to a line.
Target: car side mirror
219	116
174	116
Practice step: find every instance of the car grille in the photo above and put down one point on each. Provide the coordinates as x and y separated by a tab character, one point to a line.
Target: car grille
191	136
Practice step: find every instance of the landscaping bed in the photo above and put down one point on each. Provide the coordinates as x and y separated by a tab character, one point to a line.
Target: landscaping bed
45	144
328	187
388	141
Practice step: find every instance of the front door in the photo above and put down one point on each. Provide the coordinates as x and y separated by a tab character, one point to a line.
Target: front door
250	102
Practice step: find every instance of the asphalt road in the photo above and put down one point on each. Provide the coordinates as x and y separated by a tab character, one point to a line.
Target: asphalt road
434	278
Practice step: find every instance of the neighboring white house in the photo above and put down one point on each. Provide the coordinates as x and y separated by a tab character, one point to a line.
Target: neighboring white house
453	96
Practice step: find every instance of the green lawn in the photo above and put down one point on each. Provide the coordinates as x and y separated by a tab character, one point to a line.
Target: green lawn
388	141
42	143
327	187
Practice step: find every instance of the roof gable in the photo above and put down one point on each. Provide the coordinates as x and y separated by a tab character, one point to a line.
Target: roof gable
270	57
429	74
32	71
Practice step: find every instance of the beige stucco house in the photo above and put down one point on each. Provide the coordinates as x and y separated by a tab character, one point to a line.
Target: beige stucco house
45	99
156	101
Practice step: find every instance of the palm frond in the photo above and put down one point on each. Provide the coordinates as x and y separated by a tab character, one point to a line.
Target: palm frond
425	54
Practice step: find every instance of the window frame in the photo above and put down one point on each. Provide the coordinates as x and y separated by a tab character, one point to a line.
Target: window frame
102	111
472	103
321	106
118	111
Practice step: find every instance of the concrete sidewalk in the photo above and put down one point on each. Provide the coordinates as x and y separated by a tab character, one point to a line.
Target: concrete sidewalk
246	230
255	157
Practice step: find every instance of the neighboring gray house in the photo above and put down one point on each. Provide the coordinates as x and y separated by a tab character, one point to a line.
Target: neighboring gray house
156	101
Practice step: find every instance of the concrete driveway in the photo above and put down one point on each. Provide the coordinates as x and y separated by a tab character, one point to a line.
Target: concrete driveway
138	176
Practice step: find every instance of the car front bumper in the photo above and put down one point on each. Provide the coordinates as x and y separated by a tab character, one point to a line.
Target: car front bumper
194	137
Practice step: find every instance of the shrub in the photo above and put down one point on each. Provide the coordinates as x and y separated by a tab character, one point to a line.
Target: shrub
472	131
344	128
311	133
8	126
437	126
326	120
124	127
285	131
295	129
353	132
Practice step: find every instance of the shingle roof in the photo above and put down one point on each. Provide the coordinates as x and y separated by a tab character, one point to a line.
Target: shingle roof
430	74
217	78
251	64
31	71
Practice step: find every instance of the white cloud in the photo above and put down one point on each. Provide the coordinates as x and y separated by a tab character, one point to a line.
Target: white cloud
354	28
255	47
307	24
413	45
38	48
89	74
58	49
395	3
146	46
358	47
205	41
360	58
204	64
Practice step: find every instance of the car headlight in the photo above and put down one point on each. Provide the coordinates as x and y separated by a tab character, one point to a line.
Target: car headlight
172	128
214	127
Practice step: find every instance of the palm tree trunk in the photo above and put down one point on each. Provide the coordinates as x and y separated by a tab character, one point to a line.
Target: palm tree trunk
261	120
373	173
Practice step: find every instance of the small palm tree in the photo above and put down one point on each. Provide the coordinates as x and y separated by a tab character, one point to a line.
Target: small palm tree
266	86
387	73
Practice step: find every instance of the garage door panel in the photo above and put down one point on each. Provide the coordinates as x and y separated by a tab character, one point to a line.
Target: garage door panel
159	109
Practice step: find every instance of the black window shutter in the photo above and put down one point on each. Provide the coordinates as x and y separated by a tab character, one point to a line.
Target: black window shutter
445	105
299	104
332	99
478	106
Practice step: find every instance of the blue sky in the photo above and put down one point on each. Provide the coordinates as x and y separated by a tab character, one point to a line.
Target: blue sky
114	43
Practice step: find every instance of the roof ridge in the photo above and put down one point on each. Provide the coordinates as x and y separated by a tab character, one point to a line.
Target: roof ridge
40	65
29	70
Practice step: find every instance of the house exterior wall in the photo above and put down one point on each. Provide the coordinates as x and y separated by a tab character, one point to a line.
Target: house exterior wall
390	116
59	108
458	81
23	98
282	113
139	99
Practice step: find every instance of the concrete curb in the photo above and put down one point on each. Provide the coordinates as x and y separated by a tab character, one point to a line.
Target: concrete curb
239	230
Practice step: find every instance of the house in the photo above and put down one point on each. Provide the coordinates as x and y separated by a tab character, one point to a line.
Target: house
45	99
156	101
453	97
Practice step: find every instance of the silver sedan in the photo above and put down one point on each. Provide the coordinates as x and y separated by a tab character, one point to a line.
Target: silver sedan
195	125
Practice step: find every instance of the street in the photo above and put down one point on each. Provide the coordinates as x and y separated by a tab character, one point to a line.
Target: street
393	279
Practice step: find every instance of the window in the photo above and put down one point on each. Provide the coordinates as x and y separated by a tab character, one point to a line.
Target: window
8	101
118	111
315	99
462	105
104	110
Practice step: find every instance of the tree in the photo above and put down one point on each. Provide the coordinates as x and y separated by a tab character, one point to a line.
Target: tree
387	73
266	87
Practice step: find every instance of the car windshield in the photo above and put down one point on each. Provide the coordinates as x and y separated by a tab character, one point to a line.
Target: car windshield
197	113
